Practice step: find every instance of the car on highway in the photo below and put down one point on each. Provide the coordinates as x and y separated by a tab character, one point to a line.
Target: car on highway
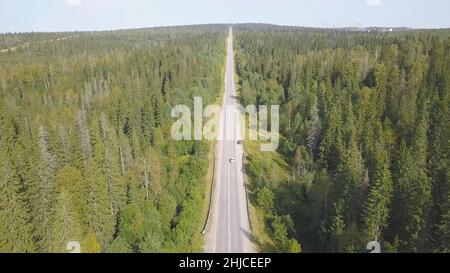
232	160
240	142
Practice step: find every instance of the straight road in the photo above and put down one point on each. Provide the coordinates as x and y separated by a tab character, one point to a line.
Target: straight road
229	231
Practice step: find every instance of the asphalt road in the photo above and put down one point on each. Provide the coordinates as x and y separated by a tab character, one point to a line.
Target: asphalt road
229	231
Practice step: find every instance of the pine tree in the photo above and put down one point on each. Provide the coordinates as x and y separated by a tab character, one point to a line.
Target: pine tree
71	180
41	193
15	221
112	168
332	146
412	194
100	209
76	156
66	226
438	166
352	177
338	226
376	214
443	226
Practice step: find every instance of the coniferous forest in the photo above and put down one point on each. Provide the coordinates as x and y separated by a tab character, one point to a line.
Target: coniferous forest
365	127
86	152
85	147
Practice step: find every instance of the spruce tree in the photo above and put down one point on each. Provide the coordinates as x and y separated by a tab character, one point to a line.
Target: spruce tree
66	227
377	208
15	221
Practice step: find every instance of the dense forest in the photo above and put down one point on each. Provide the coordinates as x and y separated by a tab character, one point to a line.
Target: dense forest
86	153
85	147
365	128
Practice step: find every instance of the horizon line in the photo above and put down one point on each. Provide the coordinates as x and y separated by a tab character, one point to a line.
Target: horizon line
212	24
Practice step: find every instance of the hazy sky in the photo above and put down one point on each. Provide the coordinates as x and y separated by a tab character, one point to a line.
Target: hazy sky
58	15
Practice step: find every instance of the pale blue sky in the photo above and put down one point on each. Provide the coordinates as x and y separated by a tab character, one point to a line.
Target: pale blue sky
59	15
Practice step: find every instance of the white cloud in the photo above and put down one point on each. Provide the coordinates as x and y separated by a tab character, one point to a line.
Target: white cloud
373	2
72	3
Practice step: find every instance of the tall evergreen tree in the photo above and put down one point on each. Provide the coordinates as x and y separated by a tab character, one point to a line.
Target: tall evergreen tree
15	220
377	208
66	227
